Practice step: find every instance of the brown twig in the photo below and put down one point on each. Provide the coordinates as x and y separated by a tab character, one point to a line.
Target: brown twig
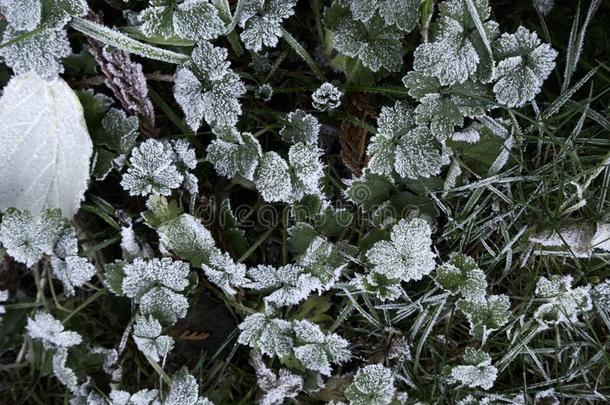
353	137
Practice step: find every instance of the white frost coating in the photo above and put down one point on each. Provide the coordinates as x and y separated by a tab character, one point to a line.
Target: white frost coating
46	148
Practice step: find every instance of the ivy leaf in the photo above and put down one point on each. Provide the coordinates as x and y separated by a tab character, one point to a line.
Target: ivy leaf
373	42
269	335
524	64
372	385
44	163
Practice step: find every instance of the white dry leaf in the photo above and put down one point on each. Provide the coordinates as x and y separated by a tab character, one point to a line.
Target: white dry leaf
223	271
372	385
276	387
373	42
51	331
150	341
576	238
286	285
524	64
327	97
316	350
262	22
301	127
22	15
27	237
403	13
477	370
46	148
42	53
64	373
562	303
73	271
272	178
152	170
269	335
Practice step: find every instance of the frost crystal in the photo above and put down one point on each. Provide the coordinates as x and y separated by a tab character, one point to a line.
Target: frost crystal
148	338
276	387
233	154
270	336
290	285
563	303
376	44
456	52
271	178
62	372
51	331
326	97
524	64
41	53
485	314
477	372
23	15
224	272
372	385
26	237
401	146
185	390
461	275
264	92
262	22
316	350
152	170
208	89
407	256
301	127
403	13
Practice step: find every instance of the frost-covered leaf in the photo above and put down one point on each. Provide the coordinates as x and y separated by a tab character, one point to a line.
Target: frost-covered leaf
185	390
41	53
264	92
73	271
262	22
372	385
223	271
563	304
142	397
64	373
269	335
408	256
4	295
544	6
197	20
276	387
22	15
164	304
120	130
186	237
51	331
317	350
369	190
142	275
485	314
326	97
477	371
417	155
524	64
152	170
150	341
403	13
376	44
301	127
272	178
600	295
235	154
457	52
461	275
46	148
27	237
306	170
289	284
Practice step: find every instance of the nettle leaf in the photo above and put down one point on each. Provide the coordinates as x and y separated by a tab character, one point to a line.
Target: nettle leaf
186	237
408	256
477	371
524	64
301	127
316	350
147	335
234	154
152	170
44	163
51	331
269	335
267	177
223	271
461	275
208	89
327	97
403	13
262	22
372	385
373	42
288	285
402	147
563	304
306	170
456	52
485	314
